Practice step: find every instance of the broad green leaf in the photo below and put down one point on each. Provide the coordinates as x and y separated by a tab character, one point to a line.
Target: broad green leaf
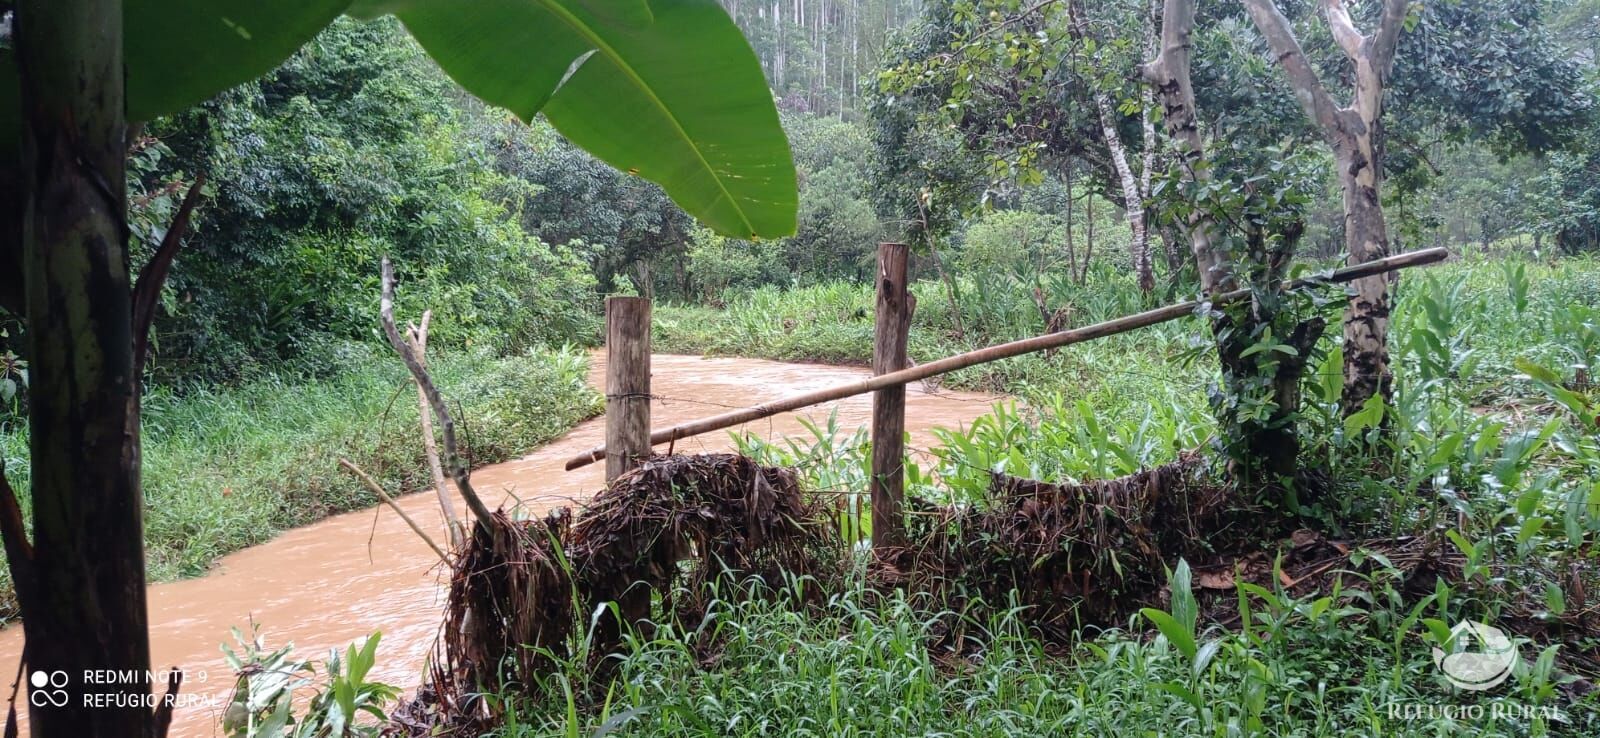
669	90
1181	692
1175	632
1530	528
1439	630
683	103
1204	657
679	100
181	52
1554	599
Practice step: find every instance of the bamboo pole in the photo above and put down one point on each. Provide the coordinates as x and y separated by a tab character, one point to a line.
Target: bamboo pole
889	403
1006	351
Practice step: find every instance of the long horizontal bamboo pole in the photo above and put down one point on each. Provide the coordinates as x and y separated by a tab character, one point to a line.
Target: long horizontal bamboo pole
1005	351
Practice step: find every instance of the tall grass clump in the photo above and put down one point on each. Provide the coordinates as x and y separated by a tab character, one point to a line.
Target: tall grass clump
871	664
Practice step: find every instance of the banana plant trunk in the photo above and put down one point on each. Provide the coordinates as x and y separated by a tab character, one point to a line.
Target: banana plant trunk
81	584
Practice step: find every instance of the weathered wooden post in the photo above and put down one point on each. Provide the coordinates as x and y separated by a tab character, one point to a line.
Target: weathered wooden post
889	404
627	384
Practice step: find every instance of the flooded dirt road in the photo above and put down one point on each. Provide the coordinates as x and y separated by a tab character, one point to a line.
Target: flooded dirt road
327	584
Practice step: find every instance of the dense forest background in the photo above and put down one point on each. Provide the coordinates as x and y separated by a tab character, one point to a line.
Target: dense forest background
359	146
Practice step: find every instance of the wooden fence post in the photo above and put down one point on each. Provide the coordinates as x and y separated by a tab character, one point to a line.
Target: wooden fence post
627	384
889	404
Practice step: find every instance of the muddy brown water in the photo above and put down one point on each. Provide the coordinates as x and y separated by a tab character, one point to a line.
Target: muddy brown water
328	584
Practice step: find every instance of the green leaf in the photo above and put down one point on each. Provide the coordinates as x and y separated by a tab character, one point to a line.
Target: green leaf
181	52
1554	599
1181	692
1439	630
680	101
1530	528
1176	633
1203	658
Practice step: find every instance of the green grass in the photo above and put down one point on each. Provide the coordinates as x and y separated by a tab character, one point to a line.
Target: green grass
230	468
864	665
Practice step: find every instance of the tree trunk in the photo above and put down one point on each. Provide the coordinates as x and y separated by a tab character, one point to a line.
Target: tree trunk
1355	133
1366	316
1132	200
1169	74
1262	453
82	590
1088	234
1132	196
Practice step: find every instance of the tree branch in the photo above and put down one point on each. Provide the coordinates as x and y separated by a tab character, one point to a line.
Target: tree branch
1388	36
417	336
1308	88
1344	29
447	427
378	489
147	291
1177	23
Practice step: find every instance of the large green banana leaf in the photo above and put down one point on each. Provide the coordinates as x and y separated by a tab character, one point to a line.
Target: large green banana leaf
666	89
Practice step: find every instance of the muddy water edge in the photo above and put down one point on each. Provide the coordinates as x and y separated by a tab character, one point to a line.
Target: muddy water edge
328	584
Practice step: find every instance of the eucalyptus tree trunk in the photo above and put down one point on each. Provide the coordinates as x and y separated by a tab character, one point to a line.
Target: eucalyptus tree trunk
1168	73
1132	196
1355	134
1147	127
81	583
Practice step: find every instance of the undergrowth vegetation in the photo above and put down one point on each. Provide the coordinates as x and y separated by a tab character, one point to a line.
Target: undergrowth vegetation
1488	453
861	665
229	468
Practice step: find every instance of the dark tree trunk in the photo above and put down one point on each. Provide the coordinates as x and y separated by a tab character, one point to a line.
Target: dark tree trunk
1366	318
82	590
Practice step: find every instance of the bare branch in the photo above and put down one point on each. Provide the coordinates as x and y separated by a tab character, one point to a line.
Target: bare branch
377	489
1308	88
447	427
147	290
1388	36
418	338
1343	28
